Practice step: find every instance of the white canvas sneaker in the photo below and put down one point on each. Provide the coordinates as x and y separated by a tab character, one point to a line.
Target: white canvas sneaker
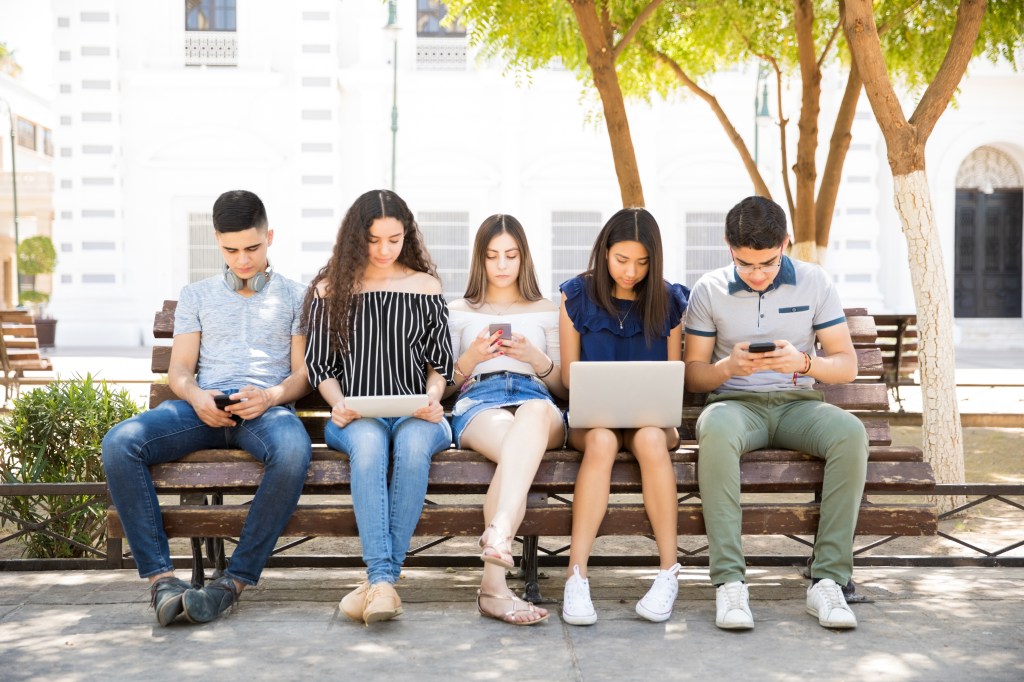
657	603
577	609
732	607
826	601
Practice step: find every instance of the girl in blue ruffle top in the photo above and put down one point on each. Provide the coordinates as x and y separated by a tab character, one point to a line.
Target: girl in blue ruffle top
621	309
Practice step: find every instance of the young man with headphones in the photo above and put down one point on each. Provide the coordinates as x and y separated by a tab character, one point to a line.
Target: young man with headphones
237	367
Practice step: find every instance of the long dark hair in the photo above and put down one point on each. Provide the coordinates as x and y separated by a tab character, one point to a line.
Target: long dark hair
631	225
476	286
344	270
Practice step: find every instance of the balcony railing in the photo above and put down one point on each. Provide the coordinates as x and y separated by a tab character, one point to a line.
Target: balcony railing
441	54
211	48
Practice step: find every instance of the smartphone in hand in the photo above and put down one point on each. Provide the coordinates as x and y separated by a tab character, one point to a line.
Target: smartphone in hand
504	327
761	347
222	401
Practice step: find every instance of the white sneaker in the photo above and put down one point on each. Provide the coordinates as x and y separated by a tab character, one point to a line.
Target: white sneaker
657	603
577	609
826	601
733	609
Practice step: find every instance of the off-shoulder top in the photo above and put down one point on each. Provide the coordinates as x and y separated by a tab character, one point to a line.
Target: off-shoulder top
394	336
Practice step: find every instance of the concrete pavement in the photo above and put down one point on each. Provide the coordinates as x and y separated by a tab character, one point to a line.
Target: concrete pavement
923	624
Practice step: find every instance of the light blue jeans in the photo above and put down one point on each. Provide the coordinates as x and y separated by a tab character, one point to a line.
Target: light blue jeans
387	513
170	431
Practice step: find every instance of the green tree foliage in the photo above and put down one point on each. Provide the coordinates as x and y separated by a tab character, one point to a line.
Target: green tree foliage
702	37
36	256
8	63
53	435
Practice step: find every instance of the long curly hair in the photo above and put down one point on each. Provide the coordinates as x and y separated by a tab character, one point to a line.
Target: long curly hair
344	270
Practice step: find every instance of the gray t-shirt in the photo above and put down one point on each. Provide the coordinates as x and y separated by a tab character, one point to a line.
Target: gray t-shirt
242	340
800	301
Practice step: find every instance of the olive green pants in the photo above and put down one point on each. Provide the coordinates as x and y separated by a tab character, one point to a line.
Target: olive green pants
737	422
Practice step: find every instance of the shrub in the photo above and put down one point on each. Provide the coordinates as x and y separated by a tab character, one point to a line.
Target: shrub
53	435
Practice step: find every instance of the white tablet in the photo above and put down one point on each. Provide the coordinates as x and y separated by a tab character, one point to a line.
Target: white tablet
386	405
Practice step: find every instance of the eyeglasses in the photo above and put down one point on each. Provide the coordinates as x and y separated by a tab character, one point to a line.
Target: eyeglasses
749	269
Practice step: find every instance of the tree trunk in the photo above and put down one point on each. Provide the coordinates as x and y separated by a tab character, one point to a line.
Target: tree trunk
832	174
760	188
601	58
943	435
805	170
905	145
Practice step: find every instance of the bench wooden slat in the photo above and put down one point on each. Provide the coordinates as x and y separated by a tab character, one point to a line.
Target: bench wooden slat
551	520
902	453
553	476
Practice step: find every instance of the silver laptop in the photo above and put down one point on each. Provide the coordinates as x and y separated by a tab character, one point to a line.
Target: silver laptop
618	395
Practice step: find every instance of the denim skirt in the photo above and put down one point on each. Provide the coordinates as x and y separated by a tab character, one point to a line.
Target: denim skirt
500	389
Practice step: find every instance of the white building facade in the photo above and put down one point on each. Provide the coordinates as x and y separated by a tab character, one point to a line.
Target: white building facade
161	106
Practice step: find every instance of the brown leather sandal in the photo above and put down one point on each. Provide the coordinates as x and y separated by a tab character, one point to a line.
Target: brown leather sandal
518	606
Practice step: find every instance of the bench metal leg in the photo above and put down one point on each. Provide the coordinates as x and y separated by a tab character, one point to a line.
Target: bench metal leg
198	571
528	566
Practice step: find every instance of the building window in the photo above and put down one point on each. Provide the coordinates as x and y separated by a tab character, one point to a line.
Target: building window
429	14
438	48
209	15
572	238
26	133
317	147
210	38
204	258
447	237
99	279
704	249
47	141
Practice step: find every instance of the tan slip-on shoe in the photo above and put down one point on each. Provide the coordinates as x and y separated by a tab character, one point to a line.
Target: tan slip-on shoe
353	603
382	603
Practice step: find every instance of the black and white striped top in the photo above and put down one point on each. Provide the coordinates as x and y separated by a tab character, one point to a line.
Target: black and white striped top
395	335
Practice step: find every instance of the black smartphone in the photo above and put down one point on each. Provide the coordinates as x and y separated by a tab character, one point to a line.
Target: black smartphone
222	401
761	347
504	327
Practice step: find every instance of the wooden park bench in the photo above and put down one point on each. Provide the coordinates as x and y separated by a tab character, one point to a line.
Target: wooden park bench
203	478
897	339
19	353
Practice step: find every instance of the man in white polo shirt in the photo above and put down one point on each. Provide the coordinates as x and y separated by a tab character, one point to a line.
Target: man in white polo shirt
764	399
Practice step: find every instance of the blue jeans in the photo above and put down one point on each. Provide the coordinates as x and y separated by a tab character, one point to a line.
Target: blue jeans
387	514
170	431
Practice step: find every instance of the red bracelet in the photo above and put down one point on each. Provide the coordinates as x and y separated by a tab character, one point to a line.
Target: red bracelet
807	368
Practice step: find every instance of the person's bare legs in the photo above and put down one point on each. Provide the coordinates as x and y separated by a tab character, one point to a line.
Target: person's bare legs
516	442
590	496
650	447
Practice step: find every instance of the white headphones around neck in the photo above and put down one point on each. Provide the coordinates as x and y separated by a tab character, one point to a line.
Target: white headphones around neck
256	283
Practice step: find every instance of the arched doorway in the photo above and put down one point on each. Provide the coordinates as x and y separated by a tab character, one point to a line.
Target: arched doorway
987	274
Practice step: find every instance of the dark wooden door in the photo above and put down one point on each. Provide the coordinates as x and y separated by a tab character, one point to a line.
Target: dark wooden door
987	274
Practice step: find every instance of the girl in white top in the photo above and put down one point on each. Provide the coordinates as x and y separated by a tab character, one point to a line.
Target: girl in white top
505	410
